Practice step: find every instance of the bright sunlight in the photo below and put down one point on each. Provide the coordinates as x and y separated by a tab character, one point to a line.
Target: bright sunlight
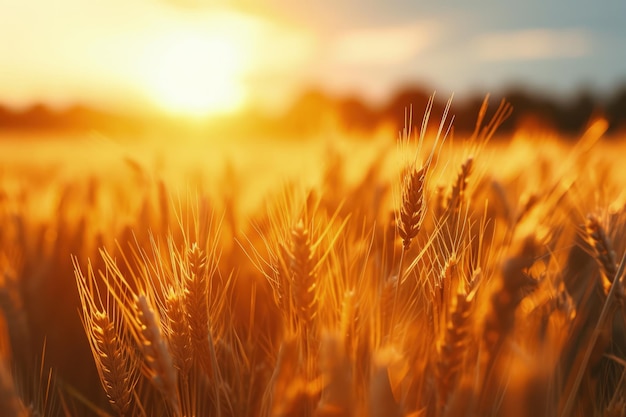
196	73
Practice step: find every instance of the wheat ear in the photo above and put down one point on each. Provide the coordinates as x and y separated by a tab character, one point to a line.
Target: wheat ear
303	275
451	349
600	335
103	327
460	186
112	361
603	252
160	367
413	205
348	319
196	308
412	214
606	314
178	332
605	257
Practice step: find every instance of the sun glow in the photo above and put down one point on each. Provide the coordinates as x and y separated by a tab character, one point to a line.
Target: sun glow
196	73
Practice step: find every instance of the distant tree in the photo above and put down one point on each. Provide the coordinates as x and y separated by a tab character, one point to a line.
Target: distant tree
356	114
466	112
616	109
575	116
410	97
309	111
38	116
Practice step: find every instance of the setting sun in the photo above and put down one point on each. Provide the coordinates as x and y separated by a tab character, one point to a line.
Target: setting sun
195	73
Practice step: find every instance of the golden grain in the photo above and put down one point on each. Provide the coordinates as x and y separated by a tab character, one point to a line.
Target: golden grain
475	290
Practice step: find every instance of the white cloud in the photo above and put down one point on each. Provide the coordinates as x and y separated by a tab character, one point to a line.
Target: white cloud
383	46
532	44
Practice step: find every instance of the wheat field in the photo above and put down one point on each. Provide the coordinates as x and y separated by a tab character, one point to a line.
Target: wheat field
419	274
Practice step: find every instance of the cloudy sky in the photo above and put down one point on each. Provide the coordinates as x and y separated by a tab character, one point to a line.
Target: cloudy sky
177	53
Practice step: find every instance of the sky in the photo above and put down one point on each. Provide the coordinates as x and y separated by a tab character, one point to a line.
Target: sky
199	56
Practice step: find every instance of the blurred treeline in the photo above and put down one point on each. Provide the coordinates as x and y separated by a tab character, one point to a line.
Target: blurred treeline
565	115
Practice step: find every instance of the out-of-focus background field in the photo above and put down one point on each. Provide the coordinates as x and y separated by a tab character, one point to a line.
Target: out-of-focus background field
72	200
248	167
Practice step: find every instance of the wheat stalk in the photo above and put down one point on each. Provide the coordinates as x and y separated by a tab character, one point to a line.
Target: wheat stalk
337	398
11	404
514	283
16	318
382	402
288	392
